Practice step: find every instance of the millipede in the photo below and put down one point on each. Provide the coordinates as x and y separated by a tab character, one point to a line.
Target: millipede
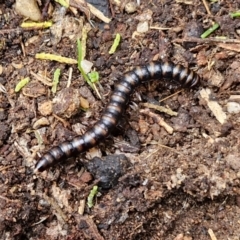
112	113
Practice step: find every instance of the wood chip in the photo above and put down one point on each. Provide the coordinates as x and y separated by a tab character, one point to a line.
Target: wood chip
216	109
232	47
160	109
158	120
235	98
212	235
86	7
81	206
89	228
43	79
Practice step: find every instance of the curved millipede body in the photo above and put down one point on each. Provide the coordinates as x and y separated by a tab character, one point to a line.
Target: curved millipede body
118	100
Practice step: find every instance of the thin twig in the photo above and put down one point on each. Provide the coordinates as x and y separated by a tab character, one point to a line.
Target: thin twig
206	40
159	120
206	6
65	123
89	9
69	77
170	96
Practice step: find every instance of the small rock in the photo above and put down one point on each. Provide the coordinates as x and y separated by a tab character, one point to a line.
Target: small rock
179	237
192	29
40	122
233	107
67	102
84	103
131	7
86	65
142	27
215	78
87	94
28	9
45	108
145	16
233	161
109	170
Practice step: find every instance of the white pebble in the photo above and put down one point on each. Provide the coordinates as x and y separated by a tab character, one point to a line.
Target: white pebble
233	107
131	7
86	65
142	27
28	9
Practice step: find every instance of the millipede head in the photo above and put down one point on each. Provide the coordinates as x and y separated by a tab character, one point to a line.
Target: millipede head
44	163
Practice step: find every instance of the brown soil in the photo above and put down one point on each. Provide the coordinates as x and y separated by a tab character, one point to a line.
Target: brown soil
178	186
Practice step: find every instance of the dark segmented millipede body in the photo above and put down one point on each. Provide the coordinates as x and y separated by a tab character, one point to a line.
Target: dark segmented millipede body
118	100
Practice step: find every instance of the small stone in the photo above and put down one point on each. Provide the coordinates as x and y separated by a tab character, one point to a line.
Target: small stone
131	7
109	169
145	16
233	107
84	103
28	9
86	65
67	102
233	161
45	108
179	237
142	27
143	126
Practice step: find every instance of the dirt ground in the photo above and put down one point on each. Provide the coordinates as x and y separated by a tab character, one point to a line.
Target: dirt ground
181	184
